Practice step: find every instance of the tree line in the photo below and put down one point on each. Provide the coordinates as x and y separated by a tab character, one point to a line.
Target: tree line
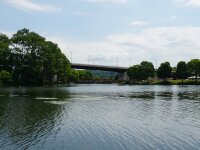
28	58
81	75
145	70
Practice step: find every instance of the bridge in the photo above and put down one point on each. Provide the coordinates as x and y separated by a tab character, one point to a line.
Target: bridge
120	70
99	67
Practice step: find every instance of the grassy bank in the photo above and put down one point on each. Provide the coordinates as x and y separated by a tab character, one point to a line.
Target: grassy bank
167	82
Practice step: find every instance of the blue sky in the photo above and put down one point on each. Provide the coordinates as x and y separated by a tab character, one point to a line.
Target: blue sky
100	31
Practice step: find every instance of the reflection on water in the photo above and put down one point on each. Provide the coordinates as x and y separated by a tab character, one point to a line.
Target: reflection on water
195	95
24	120
165	94
143	95
47	98
100	117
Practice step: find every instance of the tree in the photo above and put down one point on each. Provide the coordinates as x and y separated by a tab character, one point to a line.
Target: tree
74	76
164	71
37	60
135	72
85	75
27	49
181	70
194	68
5	76
5	53
147	69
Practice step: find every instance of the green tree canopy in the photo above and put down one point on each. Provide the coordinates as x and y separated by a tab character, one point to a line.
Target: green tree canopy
32	59
5	76
85	75
28	48
135	72
164	71
5	53
147	70
194	68
181	70
74	76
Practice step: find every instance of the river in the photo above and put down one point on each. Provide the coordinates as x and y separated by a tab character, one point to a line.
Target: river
100	117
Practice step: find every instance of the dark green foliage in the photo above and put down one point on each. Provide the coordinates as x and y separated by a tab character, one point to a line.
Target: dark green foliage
98	74
147	70
135	73
5	53
194	68
33	60
181	70
189	82
80	75
5	77
164	71
142	71
74	76
85	75
164	83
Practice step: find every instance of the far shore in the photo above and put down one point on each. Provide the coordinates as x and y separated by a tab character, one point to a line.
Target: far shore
164	82
155	82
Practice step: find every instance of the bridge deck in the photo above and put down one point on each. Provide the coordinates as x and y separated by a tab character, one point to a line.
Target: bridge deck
99	67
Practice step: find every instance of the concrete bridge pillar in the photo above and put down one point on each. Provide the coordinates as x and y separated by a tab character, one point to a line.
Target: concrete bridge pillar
123	76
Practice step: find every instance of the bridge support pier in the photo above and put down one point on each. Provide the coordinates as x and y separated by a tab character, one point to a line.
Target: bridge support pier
123	76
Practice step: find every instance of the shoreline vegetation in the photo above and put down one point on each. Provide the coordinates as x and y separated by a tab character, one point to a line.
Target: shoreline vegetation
155	82
168	82
28	59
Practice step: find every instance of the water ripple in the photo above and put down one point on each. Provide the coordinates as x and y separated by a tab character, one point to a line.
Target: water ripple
100	117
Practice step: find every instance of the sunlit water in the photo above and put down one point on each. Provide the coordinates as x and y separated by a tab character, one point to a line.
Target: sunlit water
100	117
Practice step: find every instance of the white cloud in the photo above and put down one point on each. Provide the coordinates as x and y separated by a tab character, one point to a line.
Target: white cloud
139	23
8	33
108	1
162	44
190	2
159	44
100	52
28	5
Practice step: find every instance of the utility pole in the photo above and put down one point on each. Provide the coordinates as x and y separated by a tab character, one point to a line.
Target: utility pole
156	64
71	55
117	61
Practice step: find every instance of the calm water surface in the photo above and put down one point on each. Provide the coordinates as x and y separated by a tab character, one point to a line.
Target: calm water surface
100	117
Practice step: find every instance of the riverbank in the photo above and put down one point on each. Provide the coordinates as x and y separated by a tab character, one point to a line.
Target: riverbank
167	82
155	82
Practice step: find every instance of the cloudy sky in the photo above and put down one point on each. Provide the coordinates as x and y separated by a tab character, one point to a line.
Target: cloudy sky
102	31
